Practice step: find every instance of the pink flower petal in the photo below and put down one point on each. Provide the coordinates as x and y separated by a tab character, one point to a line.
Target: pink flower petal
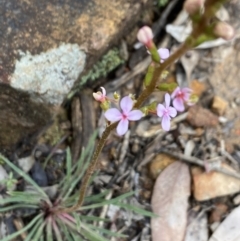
122	127
172	111
174	93
166	123
113	115
135	115
178	104
163	53
103	91
126	104
97	96
160	110
167	99
187	90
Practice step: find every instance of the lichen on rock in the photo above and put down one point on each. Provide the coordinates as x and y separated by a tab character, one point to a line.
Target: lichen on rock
49	76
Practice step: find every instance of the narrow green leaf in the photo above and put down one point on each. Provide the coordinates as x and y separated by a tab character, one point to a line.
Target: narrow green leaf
97	197
49	231
105	231
76	237
57	231
137	210
93	218
24	175
78	221
39	232
14	235
111	201
33	230
91	234
65	230
69	164
12	207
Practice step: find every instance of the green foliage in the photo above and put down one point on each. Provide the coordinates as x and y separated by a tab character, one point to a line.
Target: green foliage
162	3
50	225
108	62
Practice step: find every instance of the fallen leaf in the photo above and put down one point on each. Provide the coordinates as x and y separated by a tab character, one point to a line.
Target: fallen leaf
197	229
229	229
170	203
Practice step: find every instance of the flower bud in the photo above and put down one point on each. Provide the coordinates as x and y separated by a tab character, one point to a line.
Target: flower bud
145	36
193	6
100	96
224	31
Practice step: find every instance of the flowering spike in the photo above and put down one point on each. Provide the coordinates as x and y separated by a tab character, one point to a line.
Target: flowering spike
124	116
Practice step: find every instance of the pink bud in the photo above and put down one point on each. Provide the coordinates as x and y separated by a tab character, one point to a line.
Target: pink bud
100	96
193	6
224	31
145	36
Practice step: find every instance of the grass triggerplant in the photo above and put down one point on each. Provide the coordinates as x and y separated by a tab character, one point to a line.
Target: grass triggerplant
48	220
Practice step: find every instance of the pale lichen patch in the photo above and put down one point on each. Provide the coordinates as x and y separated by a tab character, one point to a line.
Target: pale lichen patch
49	76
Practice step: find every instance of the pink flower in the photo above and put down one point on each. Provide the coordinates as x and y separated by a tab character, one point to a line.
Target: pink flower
163	53
166	112
124	116
145	36
180	96
100	96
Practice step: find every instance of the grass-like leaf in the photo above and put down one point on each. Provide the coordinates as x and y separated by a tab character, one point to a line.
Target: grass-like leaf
93	218
111	201
24	175
105	231
91	234
14	235
12	207
39	232
137	210
33	231
49	230
65	230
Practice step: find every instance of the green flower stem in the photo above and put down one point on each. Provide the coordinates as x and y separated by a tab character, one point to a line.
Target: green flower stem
190	42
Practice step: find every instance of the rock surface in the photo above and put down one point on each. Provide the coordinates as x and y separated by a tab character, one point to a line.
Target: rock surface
45	46
48	41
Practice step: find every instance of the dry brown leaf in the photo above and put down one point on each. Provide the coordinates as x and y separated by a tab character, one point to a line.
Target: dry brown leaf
170	202
229	229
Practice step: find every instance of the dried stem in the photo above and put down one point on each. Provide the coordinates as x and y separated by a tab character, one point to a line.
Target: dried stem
188	44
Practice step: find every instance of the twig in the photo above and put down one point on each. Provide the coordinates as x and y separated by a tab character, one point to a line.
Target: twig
196	161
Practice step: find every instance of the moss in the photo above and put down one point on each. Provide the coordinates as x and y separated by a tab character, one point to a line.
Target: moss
107	63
